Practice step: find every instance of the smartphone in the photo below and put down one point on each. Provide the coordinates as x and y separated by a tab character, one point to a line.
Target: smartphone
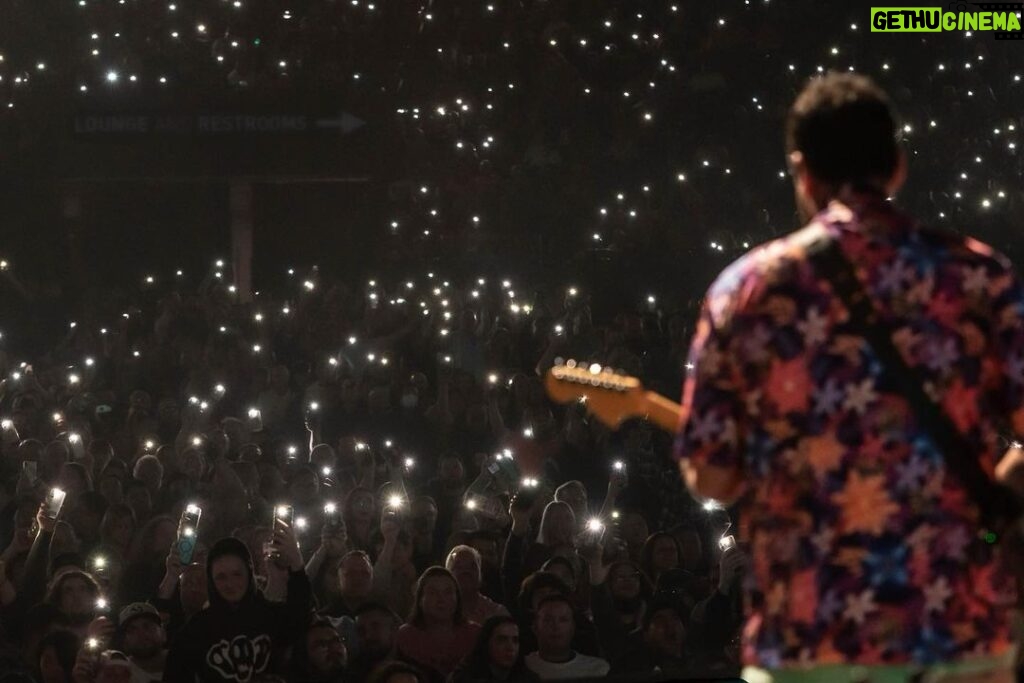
284	515
332	516
727	543
54	502
255	422
30	470
594	532
188	529
10	432
77	446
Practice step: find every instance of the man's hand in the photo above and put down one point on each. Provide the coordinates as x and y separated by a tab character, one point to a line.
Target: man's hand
172	564
102	629
731	569
45	522
389	527
520	510
85	667
288	546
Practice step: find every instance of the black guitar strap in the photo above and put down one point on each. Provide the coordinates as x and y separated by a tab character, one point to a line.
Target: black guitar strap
998	505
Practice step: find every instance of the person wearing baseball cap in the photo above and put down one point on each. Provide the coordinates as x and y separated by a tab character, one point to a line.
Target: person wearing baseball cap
143	638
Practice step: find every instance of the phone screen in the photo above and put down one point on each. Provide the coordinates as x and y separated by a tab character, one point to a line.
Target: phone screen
284	515
188	529
54	502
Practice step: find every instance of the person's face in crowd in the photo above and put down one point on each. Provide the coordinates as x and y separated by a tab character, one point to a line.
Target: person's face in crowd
355	577
71	481
691	547
362	506
168	458
488	549
464	567
451	471
271	482
64	539
576	497
439	600
634	529
503	648
304	487
234	431
140	501
555	627
85	520
561	526
50	668
335	539
114	672
563	572
111	490
52	460
194	588
117	529
410	398
624	582
379	401
249	475
230	578
349	391
168	413
143	638
102	454
325	650
666	633
193	464
423	514
279	378
76	598
162	536
150	473
139	403
323	456
402	677
665	555
376	633
539	594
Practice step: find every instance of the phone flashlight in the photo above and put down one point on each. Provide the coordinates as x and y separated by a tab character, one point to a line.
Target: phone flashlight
594	525
727	542
395	501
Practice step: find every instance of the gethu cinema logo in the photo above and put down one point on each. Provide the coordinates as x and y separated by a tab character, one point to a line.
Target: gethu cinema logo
934	19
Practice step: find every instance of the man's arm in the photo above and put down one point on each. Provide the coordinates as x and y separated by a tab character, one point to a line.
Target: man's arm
709	447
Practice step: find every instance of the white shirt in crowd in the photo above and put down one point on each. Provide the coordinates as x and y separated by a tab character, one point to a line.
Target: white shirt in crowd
580	666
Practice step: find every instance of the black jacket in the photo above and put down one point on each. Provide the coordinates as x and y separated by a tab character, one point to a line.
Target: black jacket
234	644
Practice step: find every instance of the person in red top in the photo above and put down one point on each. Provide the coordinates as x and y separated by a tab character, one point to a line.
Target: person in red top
437	635
865	547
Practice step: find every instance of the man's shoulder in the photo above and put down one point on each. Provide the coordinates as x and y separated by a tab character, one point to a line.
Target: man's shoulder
744	281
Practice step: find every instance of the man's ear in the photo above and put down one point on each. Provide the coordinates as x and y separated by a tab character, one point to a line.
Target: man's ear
798	172
899	175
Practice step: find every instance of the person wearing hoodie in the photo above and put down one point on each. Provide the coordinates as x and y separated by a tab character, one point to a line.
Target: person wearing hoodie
237	636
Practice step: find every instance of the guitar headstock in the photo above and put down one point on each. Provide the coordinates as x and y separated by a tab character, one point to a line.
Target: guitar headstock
612	397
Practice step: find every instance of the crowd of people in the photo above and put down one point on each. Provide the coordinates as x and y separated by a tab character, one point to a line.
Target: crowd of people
342	482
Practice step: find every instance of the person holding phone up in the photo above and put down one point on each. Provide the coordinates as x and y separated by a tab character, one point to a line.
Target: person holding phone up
237	635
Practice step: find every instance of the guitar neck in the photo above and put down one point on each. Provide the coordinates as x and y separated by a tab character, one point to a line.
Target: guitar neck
661	411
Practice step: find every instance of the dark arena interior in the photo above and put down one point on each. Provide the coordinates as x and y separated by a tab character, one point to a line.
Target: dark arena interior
451	341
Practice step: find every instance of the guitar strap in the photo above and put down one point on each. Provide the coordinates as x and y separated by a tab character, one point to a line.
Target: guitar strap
999	506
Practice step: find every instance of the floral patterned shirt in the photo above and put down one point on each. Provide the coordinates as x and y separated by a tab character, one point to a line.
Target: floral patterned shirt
864	549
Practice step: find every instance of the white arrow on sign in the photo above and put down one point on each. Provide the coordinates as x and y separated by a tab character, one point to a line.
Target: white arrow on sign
346	122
